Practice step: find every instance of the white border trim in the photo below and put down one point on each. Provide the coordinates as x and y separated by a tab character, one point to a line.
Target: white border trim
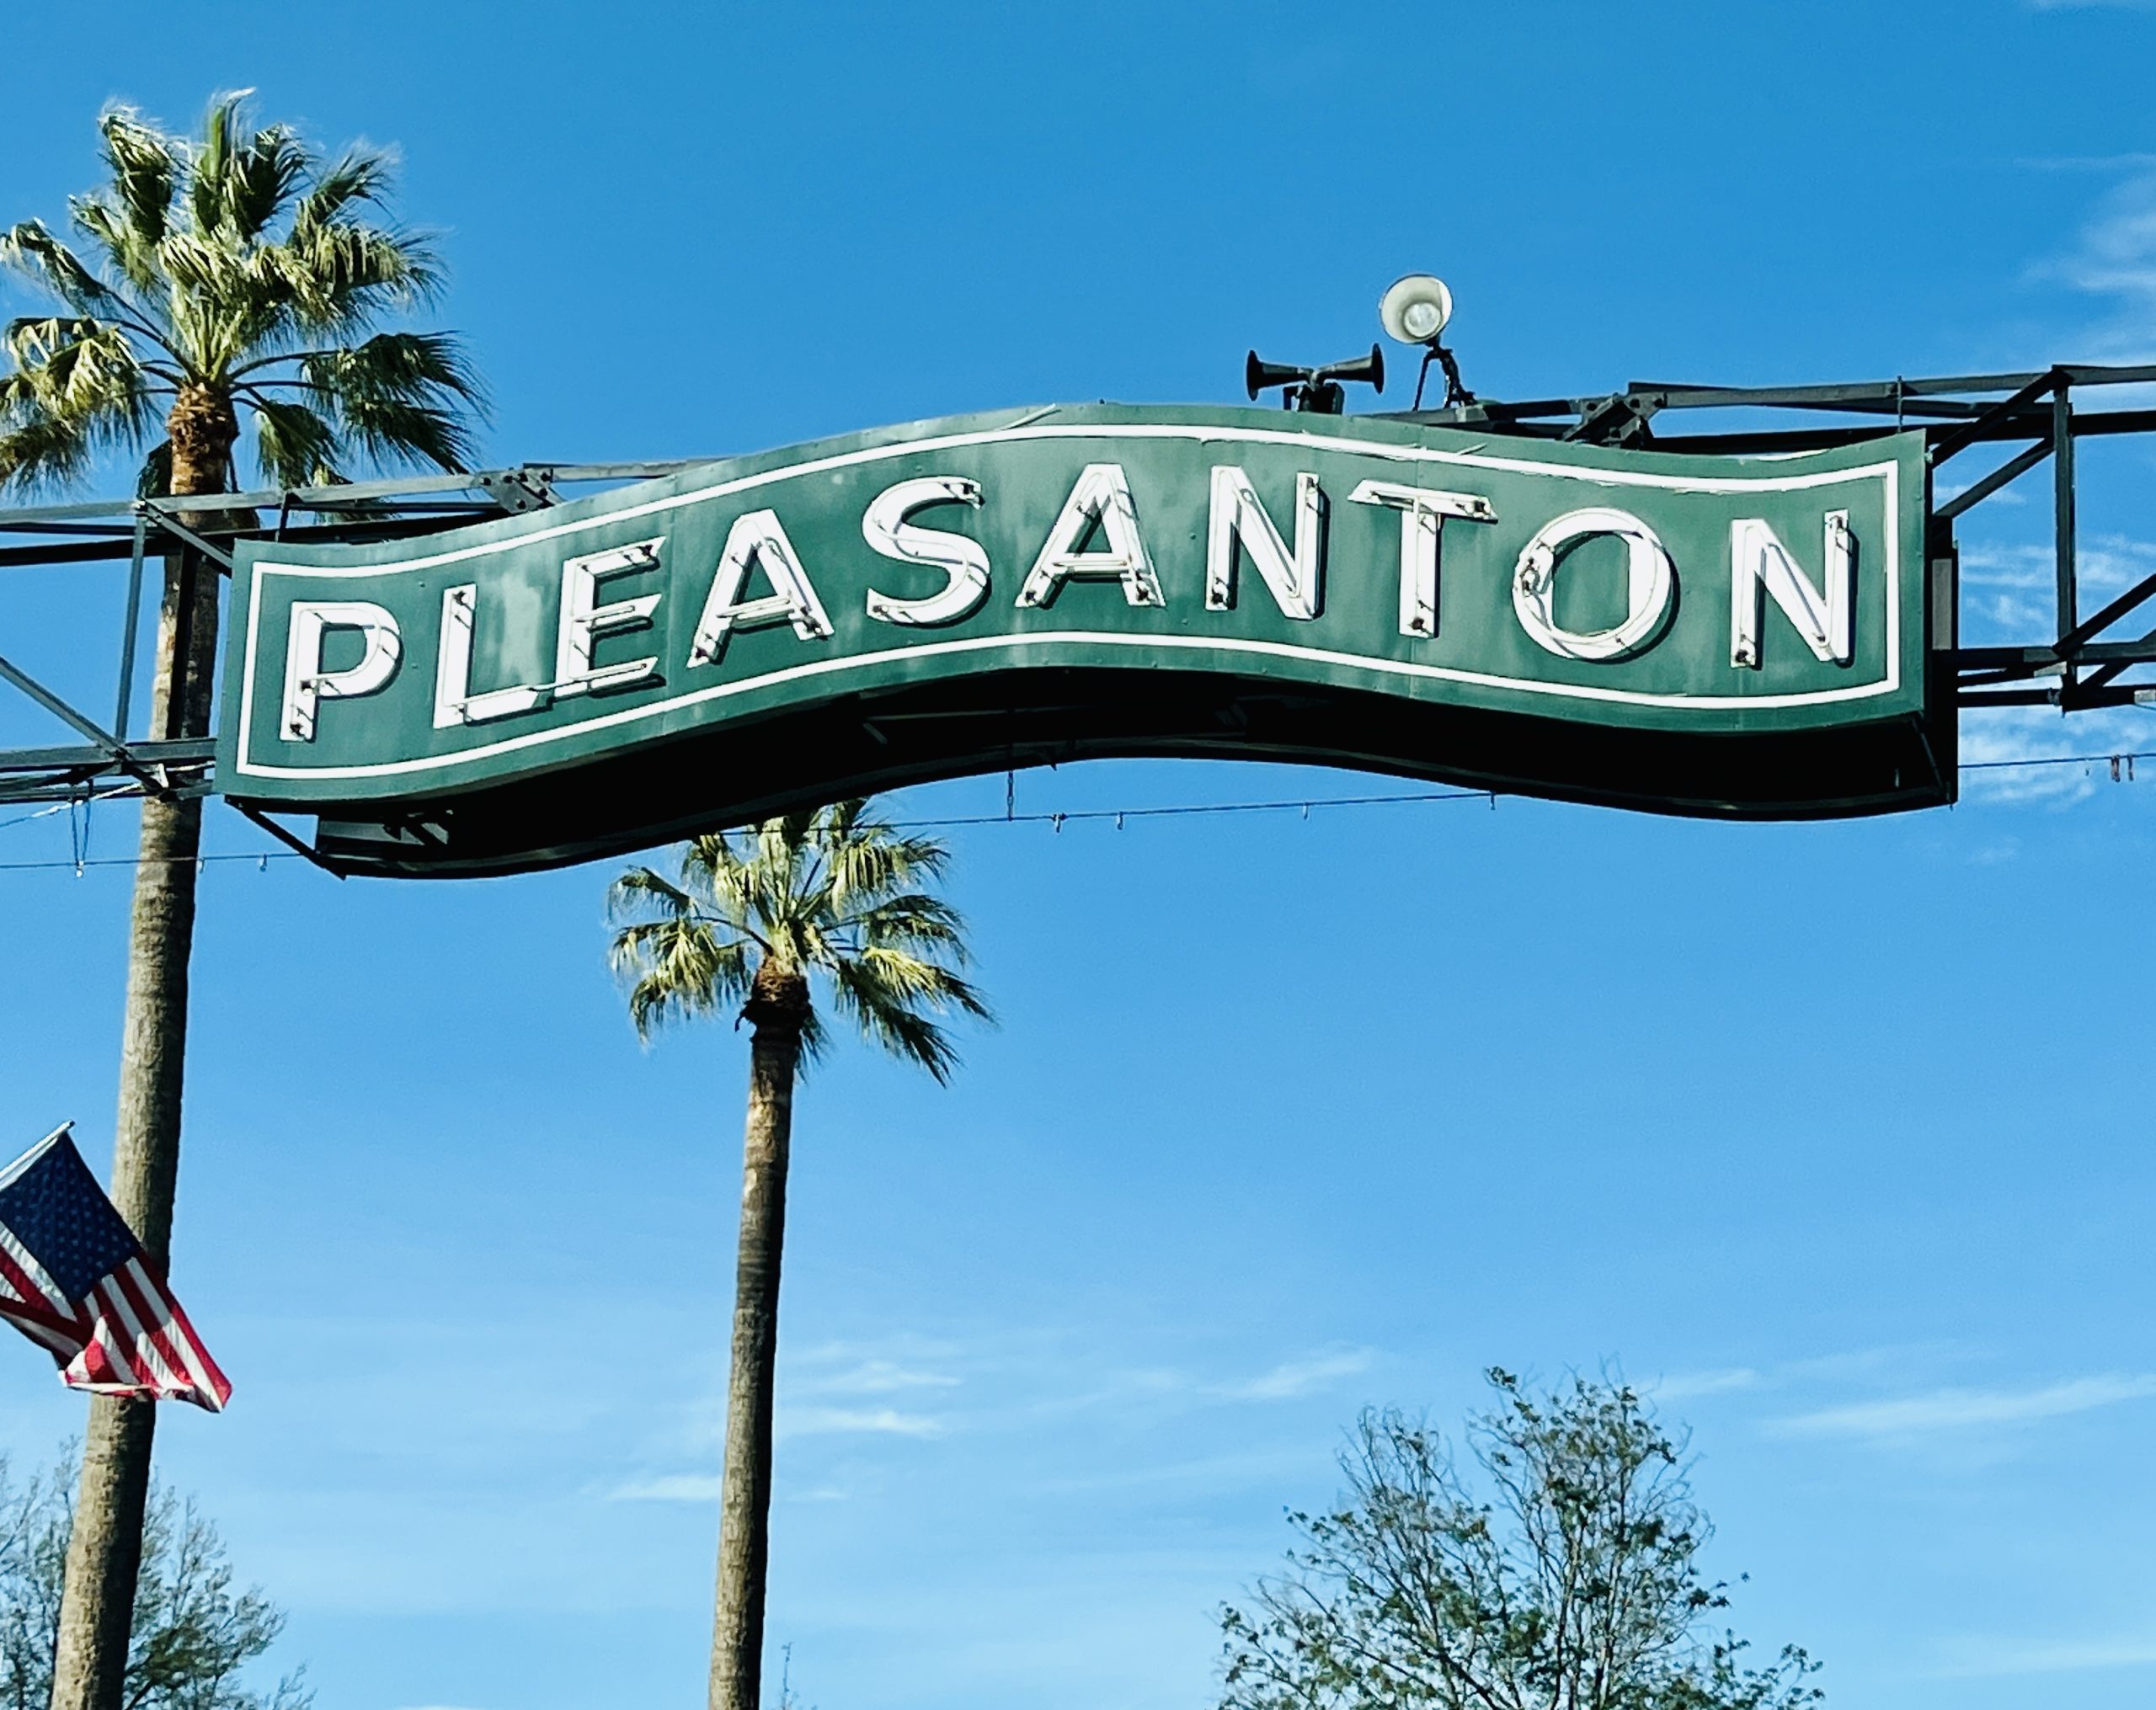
1888	472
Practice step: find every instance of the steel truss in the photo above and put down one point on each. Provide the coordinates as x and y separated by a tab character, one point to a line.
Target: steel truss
111	759
2085	663
1957	413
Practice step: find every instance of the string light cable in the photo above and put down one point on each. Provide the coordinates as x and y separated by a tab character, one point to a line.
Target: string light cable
2122	764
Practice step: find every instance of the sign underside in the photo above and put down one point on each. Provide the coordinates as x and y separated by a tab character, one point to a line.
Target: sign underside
1742	637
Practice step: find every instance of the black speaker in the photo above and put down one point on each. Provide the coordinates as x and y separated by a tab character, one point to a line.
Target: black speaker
1370	368
1260	375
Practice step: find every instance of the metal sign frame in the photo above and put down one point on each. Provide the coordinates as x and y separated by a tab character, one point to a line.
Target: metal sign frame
2085	662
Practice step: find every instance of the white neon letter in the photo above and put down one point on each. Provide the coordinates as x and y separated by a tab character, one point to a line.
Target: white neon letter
584	619
1237	518
455	703
1423	512
1101	496
962	560
1650	582
1759	564
306	684
758	537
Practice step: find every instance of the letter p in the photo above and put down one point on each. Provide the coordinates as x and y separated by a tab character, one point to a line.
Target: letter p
307	685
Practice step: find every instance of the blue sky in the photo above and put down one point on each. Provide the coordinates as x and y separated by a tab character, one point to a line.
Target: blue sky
1833	1135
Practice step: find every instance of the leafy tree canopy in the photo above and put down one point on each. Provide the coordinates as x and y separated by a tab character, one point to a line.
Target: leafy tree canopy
193	1633
1564	1575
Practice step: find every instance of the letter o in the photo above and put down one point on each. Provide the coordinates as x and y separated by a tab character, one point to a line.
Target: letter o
1650	580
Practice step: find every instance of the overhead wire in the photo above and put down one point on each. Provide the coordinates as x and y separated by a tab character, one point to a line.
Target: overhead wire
1056	819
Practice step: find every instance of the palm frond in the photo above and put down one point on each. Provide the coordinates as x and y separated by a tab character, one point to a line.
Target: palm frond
716	872
681	968
212	161
39	451
78	367
76	389
817	892
705	860
422	366
913	920
126	251
145	166
400	395
295	446
815	1039
357	175
641	891
154	479
266	170
29	249
918	980
340	277
394	432
201	312
866	867
886	1017
209	260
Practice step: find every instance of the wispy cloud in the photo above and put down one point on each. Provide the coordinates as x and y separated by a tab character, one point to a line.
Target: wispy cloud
2092	5
1998	746
2114	257
674	1487
2132	161
874	1421
874	1377
2007	598
1987	1656
1945	490
1683	1385
1962	1410
2103	562
701	1488
1301	1376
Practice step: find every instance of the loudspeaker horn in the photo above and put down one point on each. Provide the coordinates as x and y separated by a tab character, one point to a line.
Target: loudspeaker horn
1259	375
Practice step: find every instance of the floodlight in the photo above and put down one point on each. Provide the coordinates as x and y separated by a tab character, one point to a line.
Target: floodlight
1415	309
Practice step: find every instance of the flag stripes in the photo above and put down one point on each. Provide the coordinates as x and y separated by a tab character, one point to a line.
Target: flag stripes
74	1279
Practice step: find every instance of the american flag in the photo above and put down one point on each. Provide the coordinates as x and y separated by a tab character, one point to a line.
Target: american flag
74	1279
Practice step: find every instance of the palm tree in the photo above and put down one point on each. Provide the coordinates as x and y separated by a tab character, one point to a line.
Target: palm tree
231	272
757	914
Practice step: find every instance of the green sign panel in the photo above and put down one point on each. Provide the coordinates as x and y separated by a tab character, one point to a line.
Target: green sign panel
1744	637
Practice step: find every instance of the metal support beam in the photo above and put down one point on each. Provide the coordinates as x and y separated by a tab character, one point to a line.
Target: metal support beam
180	752
2011	470
2111	671
2032	414
2063	519
61	710
519	490
1959	439
130	626
297	845
2108	615
172	526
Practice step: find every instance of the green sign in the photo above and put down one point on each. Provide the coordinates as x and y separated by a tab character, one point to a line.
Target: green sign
1735	637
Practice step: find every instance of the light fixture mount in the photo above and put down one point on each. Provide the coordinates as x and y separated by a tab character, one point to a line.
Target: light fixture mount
1416	309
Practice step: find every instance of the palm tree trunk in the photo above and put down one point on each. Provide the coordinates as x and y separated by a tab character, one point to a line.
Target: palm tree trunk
777	1007
104	1546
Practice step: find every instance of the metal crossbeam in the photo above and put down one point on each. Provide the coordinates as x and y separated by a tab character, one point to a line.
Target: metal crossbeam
2035	411
107	742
